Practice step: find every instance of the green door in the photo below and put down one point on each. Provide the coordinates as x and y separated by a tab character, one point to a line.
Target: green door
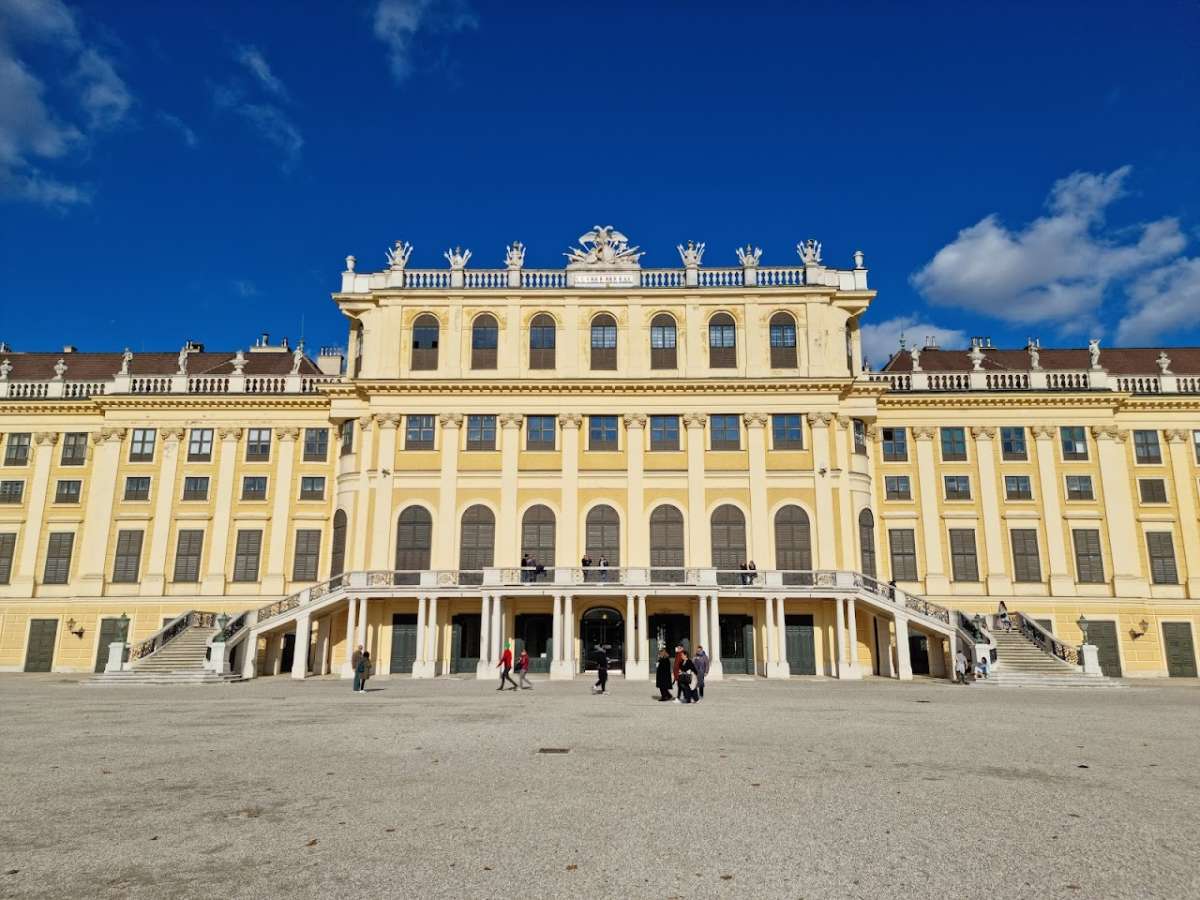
39	656
111	631
737	645
535	633
1104	636
404	642
801	645
464	642
1181	651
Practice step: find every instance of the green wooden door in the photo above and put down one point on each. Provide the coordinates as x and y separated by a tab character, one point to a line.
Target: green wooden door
464	642
39	656
801	644
1104	636
737	644
1181	651
404	642
111	631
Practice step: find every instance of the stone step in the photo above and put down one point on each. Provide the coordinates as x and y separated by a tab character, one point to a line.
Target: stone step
133	678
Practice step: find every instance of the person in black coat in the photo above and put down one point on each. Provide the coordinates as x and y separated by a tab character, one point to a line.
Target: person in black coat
601	657
662	675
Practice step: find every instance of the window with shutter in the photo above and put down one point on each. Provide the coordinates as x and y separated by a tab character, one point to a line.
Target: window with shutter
188	547
128	563
58	557
537	538
782	339
542	340
1152	490
312	487
308	554
663	337
965	564
414	540
728	543
793	543
602	537
246	555
137	488
195	487
604	342
1027	565
337	555
1089	562
8	545
485	338
722	342
477	541
866	541
1161	547
424	344
666	544
902	542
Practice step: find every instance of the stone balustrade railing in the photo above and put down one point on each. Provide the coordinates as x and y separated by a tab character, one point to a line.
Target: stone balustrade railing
1039	380
1044	640
191	619
63	389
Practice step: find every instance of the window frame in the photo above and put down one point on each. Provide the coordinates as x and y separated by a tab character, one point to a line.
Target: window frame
482	424
956	434
179	573
1024	562
722	341
889	494
248	496
957	494
74	449
316	445
1091	494
12	492
539	444
8	555
484	357
17	448
723	443
68	499
664	342
1010	436
1160	563
423	352
255	443
1075	454
1159	484
542	356
894	450
603	338
200	445
309	553
1094	557
782	353
1146	440
139	440
791	427
62	560
307	493
664	427
609	438
191	494
963	556
424	427
127	556
1026	494
243	554
904	554
126	491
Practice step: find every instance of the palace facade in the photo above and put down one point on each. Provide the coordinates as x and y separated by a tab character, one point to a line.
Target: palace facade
589	460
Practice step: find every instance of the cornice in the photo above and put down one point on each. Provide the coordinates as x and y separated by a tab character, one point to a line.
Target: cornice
48	408
216	402
367	389
902	401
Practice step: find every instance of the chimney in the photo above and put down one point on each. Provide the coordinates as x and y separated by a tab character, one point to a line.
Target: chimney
331	360
70	348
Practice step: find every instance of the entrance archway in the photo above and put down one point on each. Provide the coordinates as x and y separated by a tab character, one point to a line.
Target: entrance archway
602	630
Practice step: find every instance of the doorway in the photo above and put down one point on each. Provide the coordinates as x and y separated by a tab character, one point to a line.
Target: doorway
801	644
464	642
737	644
39	655
1104	636
535	633
111	631
918	654
288	654
602	630
669	631
404	643
1181	651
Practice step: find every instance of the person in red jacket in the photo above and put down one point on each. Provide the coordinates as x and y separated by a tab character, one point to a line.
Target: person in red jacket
505	666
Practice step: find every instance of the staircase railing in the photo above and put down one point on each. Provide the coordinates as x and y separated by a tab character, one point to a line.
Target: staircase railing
1044	640
973	631
193	618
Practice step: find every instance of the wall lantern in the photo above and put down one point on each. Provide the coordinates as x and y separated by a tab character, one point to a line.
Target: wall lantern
1083	627
1140	631
75	628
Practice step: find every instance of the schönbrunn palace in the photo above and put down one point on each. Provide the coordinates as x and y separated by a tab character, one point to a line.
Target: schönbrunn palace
262	512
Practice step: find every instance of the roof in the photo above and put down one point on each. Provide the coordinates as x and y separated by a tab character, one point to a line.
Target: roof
1115	360
88	366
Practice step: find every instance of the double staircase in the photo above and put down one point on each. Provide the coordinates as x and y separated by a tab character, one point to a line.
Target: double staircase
1022	663
181	660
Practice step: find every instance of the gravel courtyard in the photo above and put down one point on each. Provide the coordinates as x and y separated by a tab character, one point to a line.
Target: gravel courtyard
438	789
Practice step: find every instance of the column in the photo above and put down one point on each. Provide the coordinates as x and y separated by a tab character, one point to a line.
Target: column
351	638
362	623
39	483
97	520
434	630
300	651
498	630
705	628
847	518
1179	445
556	657
321	664
998	580
218	541
637	537
839	661
699	550
285	449
760	517
1128	580
853	668
783	667
824	555
155	578
443	556
569	635
644	636
635	669
936	581
484	668
1062	579
717	670
568	547
772	640
381	529
419	662
508	531
358	540
903	665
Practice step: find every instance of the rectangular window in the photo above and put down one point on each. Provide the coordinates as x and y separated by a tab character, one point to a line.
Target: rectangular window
903	545
195	487
137	488
16	449
316	444
896	487
312	487
1196	445
664	432
200	444
141	447
11	491
481	432
602	432
188	547
128	562
859	429
68	491
346	433
1161	547
895	445
954	444
787	431
308	555
1145	447
1074	442
1079	487
962	554
258	444
418	432
58	557
539	432
254	487
1017	487
958	487
1152	490
1027	564
1089	562
726	432
1012	444
74	451
245	559
8	546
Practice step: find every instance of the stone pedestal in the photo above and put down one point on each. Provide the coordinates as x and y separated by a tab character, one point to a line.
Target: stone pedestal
424	669
116	657
779	670
1089	656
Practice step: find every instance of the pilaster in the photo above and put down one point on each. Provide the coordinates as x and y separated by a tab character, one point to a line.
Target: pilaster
567	545
936	581
303	642
760	521
903	662
381	529
358	541
285	448
1179	445
218	541
998	580
508	532
782	668
826	554
25	571
154	579
1062	582
442	556
844	434
699	550
637	538
716	670
1128	580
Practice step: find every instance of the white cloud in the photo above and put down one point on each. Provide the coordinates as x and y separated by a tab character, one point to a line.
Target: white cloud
266	118
397	22
1163	301
880	340
251	57
180	127
1055	269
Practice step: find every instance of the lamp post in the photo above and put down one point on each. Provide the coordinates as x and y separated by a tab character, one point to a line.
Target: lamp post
1083	627
978	620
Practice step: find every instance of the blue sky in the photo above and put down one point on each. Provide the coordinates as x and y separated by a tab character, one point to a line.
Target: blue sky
1010	170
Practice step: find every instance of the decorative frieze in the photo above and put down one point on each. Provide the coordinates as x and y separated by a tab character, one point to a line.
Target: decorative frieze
983	432
635	420
756	419
287	433
450	420
1109	433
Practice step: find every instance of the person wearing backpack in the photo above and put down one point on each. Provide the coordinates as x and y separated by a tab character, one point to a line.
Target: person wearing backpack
522	668
362	671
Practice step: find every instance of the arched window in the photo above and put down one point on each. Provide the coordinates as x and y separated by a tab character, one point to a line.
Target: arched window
476	546
414	537
722	342
662	342
542	339
793	545
866	540
602	539
728	543
783	341
485	335
537	541
604	342
425	344
666	544
337	557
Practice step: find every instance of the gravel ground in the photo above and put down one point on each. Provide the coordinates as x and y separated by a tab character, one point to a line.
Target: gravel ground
438	789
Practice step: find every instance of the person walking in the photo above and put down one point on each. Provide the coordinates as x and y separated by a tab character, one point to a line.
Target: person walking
662	675
362	671
687	679
676	667
505	666
522	668
601	684
1002	613
700	661
960	668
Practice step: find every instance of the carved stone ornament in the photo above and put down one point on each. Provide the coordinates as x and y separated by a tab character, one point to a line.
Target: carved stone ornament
570	420
983	431
398	254
872	432
1178	436
106	435
749	256
635	420
915	354
510	420
1094	352
450	420
976	356
691	254
364	422
1043	432
843	421
810	252
604	246
287	433
514	255
1109	433
350	261
924	432
388	420
821	419
45	438
229	433
5	368
60	369
694	420
1164	362
174	434
457	257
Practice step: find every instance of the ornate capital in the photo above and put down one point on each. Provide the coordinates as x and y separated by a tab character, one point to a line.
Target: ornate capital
287	433
635	420
364	422
450	420
820	419
171	435
983	432
872	432
510	420
843	421
106	435
1178	436
1109	433
756	420
923	432
387	420
45	438
570	420
229	433
1043	432
694	420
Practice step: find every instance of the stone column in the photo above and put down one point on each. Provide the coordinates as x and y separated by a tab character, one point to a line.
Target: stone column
825	556
853	668
285	448
381	529
362	623
635	669
300	651
936	581
154	580
783	667
1128	579
1179	445
218	541
97	520
840	667
569	635
358	541
717	670
324	624
568	547
760	514
419	662
508	529
772	640
484	668
442	556
998	580
351	638
903	665
556	657
1062	580
705	628
637	535
498	629
25	570
848	518
434	629
643	634
699	550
